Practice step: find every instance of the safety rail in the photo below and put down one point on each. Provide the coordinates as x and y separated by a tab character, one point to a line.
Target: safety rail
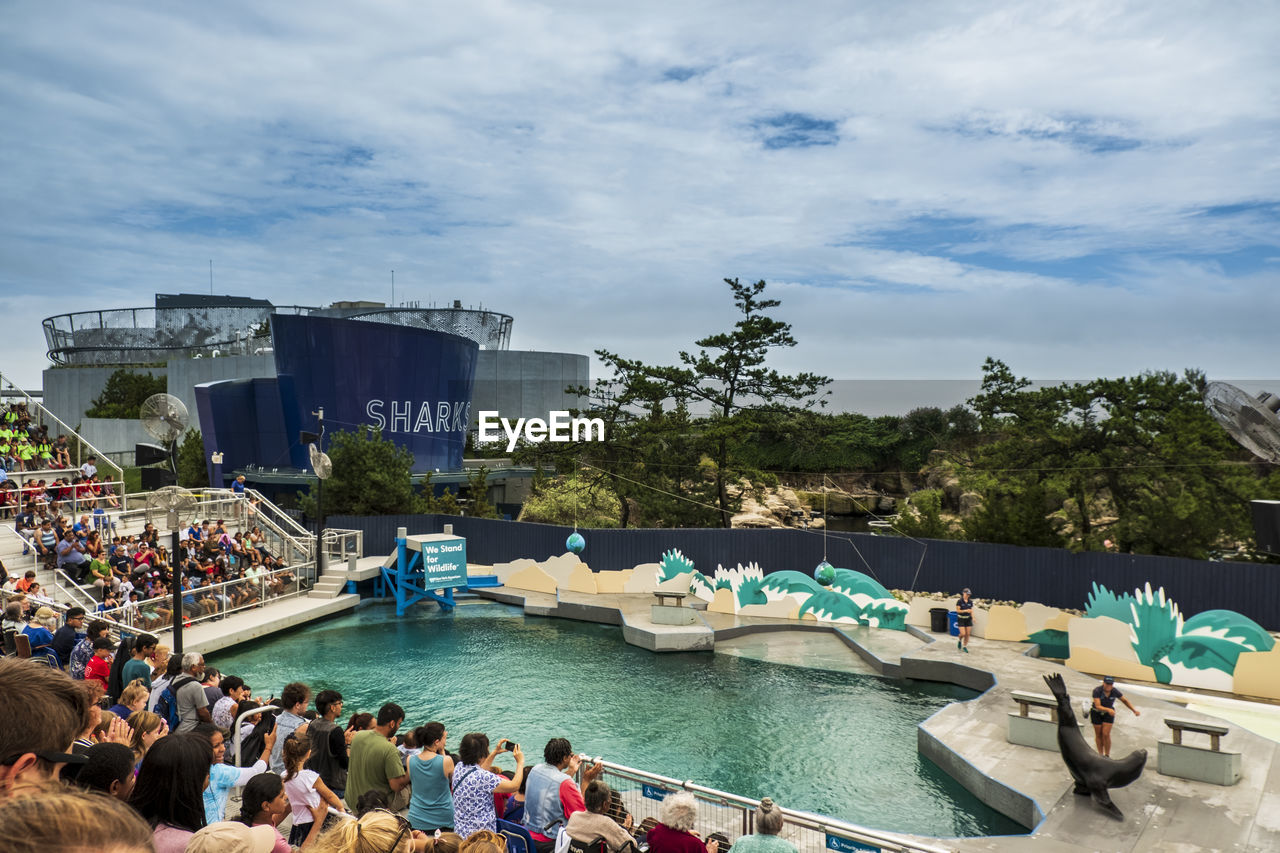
217	601
341	544
117	629
72	435
282	519
72	589
642	793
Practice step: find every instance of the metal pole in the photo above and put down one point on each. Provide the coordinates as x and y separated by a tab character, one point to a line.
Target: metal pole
176	587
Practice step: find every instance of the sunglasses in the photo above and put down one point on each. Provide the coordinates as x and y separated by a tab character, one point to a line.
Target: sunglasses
402	822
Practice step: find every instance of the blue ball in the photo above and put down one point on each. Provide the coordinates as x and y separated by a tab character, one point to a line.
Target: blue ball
824	573
576	543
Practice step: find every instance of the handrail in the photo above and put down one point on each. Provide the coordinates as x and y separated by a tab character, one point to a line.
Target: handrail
58	573
117	628
66	429
288	519
806	820
261	709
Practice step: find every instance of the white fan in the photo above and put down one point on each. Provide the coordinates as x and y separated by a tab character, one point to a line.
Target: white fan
164	416
174	502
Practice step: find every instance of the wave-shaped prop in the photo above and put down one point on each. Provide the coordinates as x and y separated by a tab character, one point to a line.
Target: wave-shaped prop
1164	641
852	598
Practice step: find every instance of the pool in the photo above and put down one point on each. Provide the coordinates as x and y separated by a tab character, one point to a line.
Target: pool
834	743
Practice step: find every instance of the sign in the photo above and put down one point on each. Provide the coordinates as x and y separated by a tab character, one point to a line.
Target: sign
653	792
444	562
847	845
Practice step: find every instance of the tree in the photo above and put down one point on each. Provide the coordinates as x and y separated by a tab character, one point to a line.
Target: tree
192	472
123	394
729	374
478	492
575	499
1136	460
922	518
371	476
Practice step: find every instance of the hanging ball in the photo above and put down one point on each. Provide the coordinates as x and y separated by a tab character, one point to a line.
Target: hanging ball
824	573
575	542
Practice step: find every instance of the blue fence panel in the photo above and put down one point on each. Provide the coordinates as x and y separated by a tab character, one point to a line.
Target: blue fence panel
1050	576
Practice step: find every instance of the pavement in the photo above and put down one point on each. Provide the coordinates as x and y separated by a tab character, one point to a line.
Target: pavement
968	739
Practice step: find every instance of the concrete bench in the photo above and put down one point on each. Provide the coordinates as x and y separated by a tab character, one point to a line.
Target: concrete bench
1195	762
1037	732
670	609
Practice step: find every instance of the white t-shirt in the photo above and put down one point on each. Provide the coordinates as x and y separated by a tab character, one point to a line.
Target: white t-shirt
303	796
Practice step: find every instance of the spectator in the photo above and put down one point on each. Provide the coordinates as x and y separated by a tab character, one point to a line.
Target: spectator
168	793
264	803
43	711
594	822
193	705
172	669
132	698
551	795
12	625
238	485
328	745
83	650
233	691
212	678
147	729
115	681
294	699
514	810
307	793
109	770
375	763
475	783
67	819
39	631
483	841
232	836
674	832
223	777
361	721
66	637
99	666
380	831
138	666
71	557
769	823
431	802
90	467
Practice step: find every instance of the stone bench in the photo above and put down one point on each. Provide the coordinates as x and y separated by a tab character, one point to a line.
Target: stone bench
670	609
1037	732
1212	765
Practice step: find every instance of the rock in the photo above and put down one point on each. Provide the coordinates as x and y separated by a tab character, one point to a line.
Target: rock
886	504
817	523
754	520
969	503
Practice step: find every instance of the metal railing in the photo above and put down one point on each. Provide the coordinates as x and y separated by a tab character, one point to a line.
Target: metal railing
734	816
117	629
72	435
341	544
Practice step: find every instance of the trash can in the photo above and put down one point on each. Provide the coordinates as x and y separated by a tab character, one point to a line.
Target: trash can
938	620
953	627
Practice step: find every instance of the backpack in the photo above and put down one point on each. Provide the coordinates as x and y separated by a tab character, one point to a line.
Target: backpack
167	704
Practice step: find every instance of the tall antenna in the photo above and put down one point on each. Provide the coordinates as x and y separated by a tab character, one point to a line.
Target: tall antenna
825	520
211	276
393	288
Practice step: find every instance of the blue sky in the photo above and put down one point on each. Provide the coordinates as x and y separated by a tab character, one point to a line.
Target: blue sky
1079	188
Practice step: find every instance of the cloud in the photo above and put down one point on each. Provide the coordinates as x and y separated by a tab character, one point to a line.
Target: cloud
1087	189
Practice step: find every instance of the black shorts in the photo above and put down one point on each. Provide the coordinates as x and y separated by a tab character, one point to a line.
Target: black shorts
964	621
1098	718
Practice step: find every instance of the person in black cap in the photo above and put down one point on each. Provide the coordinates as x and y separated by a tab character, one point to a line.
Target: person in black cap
1103	713
964	620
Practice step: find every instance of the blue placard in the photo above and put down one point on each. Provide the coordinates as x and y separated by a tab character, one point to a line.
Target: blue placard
444	563
847	845
653	792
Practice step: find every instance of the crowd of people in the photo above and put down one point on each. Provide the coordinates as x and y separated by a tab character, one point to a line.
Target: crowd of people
129	749
131	575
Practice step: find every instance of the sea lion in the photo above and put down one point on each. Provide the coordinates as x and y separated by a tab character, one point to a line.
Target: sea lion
1093	773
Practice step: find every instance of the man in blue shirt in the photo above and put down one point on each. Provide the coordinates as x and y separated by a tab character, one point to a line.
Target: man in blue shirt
66	637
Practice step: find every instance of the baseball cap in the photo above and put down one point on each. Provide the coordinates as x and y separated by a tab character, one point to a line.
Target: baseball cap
1107	679
966	591
229	836
45	613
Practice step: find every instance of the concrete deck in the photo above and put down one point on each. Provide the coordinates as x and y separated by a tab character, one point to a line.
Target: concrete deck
968	739
246	625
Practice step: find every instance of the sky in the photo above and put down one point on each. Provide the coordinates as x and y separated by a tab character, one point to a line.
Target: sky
1077	188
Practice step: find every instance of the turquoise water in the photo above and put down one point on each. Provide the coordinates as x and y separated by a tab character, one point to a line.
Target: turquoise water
839	744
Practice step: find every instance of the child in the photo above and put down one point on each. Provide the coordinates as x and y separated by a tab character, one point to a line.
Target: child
99	666
305	792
